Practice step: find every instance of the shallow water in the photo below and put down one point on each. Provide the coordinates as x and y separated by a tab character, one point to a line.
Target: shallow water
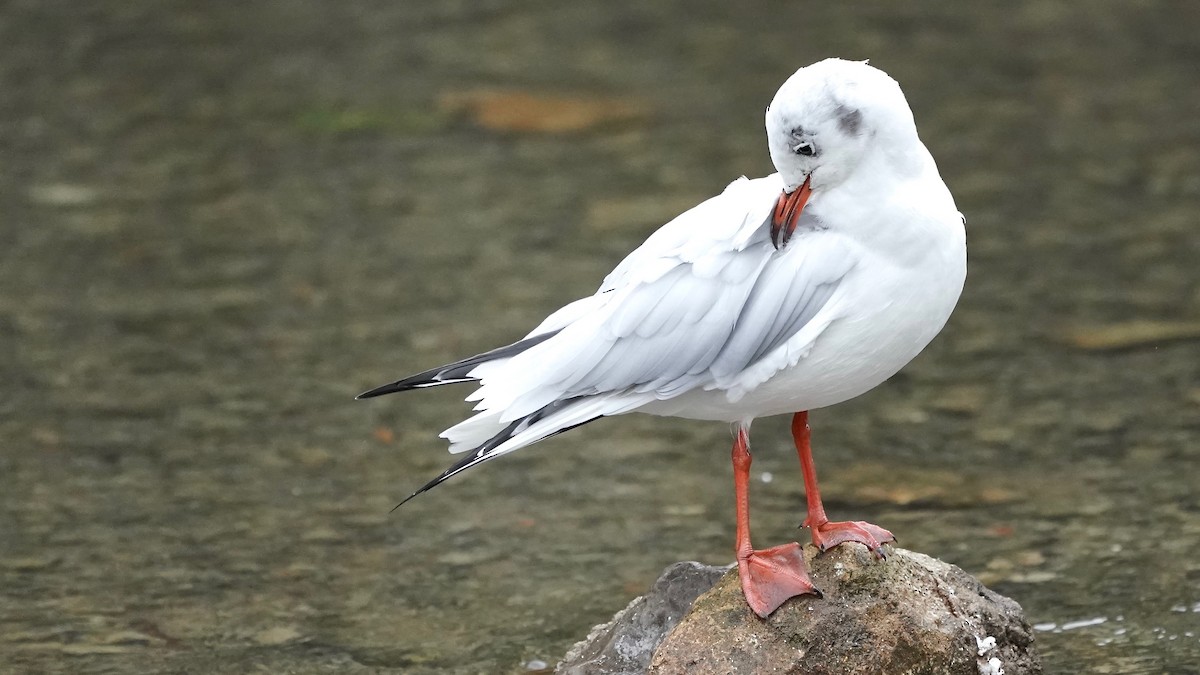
217	227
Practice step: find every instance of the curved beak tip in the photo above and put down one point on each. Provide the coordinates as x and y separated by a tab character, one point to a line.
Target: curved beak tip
787	212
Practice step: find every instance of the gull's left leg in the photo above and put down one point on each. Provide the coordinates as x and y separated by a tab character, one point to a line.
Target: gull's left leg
769	576
825	534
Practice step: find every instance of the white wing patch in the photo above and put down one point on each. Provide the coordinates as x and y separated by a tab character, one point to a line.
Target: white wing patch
707	302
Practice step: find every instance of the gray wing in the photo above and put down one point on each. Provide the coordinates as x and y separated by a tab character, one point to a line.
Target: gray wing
689	324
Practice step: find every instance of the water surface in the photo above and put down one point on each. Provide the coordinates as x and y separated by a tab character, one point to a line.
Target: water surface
218	225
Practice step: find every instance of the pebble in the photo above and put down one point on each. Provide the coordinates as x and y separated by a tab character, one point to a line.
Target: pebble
1128	334
277	635
62	194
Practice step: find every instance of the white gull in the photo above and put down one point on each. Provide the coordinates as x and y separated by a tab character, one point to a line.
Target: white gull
782	294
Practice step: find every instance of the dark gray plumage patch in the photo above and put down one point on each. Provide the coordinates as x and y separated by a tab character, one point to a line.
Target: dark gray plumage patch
849	119
453	373
487	451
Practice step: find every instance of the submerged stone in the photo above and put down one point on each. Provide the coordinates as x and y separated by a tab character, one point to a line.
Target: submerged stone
626	643
907	614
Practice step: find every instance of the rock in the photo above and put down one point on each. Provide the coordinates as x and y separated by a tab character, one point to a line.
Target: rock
536	112
1128	334
625	644
907	615
277	635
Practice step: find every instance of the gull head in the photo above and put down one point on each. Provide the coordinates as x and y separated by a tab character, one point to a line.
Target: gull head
828	117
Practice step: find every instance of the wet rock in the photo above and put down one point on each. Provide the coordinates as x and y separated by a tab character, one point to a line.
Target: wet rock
277	635
626	644
1133	334
535	112
909	614
877	483
63	194
963	399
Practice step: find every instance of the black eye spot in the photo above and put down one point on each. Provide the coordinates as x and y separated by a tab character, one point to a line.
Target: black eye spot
805	148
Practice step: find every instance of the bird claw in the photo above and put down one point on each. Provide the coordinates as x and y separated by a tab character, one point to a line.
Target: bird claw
828	535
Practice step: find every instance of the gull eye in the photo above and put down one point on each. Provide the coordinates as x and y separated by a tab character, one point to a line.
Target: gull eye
805	148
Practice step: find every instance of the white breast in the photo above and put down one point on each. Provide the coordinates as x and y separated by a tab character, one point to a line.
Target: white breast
885	312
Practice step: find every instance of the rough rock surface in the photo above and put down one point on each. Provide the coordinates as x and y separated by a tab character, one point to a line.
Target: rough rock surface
907	615
625	644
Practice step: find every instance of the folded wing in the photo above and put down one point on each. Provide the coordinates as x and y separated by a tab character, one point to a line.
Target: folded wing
704	299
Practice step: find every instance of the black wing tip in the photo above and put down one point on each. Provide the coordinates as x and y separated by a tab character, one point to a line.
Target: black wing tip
421	381
466	463
457	372
406	500
483	453
424	488
390	388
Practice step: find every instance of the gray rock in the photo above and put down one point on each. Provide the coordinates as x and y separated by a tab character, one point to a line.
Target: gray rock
624	645
907	615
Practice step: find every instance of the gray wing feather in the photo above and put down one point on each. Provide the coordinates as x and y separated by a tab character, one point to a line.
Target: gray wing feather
694	324
681	324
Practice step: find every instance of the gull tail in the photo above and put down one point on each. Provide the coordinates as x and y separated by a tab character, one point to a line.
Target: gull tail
551	420
459	371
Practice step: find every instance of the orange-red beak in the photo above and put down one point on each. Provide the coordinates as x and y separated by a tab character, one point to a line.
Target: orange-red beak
787	213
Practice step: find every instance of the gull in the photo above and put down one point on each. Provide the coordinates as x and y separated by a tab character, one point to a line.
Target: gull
783	294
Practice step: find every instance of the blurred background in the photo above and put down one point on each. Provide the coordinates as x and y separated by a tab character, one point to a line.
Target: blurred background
219	223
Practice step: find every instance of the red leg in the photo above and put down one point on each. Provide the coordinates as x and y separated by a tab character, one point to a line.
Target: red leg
825	534
770	576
